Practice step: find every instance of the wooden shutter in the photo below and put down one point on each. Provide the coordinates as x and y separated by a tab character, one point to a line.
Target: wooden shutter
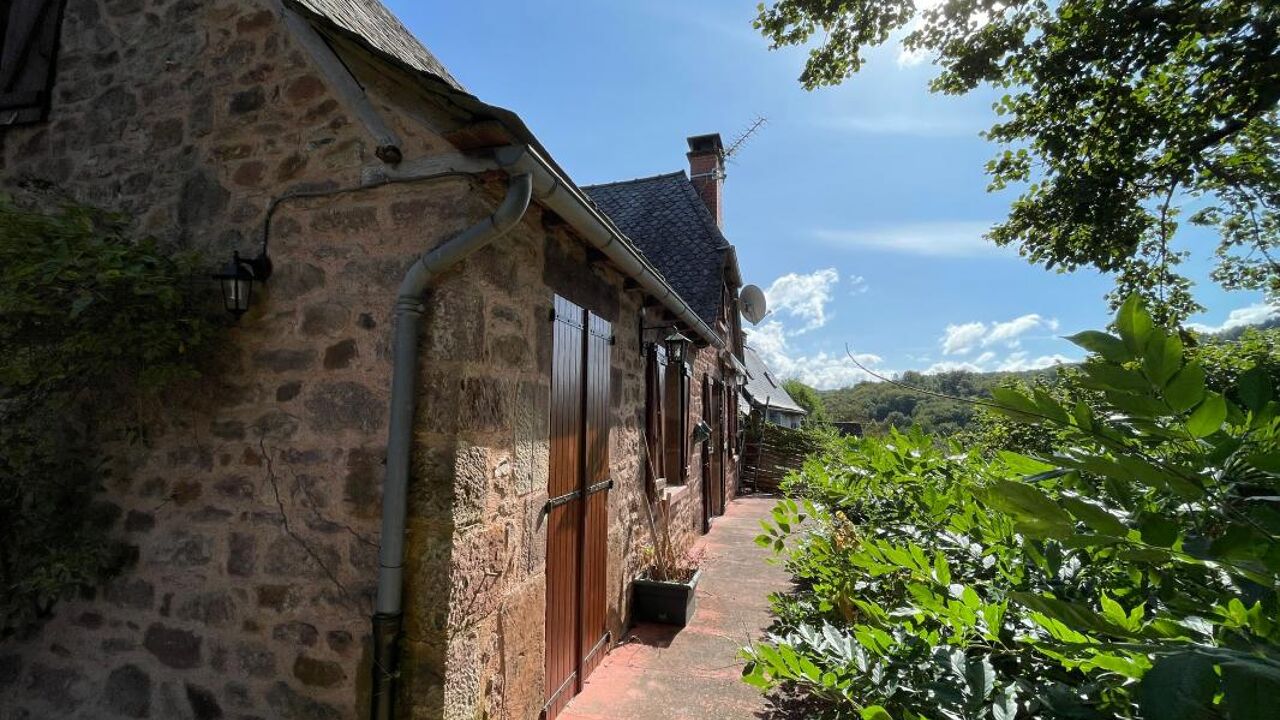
595	527
30	44
564	519
655	377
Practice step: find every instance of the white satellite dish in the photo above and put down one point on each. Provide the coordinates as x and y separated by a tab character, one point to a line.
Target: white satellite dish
752	302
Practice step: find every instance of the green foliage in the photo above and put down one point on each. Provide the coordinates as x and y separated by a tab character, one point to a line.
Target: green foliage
1130	570
1116	115
87	318
807	398
879	406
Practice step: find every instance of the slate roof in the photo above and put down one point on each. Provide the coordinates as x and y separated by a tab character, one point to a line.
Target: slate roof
666	218
764	388
372	23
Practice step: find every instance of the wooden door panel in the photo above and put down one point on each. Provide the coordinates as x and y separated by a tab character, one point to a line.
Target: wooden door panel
595	530
564	514
578	502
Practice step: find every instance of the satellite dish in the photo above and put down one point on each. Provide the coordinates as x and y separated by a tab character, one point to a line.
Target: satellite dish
753	304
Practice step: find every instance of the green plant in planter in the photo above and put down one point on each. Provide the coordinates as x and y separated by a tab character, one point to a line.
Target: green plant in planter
89	318
1131	570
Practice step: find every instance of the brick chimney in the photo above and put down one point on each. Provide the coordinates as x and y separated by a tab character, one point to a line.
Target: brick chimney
706	170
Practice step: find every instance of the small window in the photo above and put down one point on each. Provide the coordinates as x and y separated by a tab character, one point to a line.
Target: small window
28	45
676	412
655	426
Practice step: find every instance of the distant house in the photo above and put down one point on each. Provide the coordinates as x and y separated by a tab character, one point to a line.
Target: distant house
674	219
768	398
421	477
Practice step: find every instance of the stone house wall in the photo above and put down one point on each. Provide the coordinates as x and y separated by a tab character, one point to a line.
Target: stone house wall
254	507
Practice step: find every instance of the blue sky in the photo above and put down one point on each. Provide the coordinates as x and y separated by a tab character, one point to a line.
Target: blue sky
859	209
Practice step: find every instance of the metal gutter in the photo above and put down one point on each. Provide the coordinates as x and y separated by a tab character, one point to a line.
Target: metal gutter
409	309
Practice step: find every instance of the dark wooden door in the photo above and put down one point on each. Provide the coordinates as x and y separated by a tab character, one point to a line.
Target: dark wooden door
708	492
577	509
717	437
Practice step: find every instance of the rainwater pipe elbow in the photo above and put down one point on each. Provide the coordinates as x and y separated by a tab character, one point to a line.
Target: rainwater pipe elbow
409	309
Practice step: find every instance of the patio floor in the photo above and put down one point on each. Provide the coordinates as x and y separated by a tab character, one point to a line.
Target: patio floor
695	673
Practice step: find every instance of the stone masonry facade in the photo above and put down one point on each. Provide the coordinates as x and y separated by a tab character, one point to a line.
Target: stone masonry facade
254	506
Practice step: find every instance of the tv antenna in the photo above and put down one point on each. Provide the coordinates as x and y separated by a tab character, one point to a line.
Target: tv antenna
744	136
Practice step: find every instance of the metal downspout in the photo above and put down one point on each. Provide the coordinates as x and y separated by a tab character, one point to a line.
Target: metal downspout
409	308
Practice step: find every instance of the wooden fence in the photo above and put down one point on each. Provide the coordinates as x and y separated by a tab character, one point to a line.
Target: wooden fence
771	452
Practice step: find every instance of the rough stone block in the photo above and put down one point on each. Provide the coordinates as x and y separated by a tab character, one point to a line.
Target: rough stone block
363	481
173	647
296	632
324	318
339	355
289	704
215	608
485	404
242	555
284	359
345	406
128	692
204	705
318	673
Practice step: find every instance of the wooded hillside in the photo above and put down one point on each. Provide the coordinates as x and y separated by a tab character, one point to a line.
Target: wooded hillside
882	404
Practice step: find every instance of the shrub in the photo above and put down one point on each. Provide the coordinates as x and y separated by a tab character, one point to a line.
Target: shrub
1131	570
88	318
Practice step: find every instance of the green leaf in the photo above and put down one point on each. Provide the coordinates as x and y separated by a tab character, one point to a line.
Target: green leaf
1186	389
1134	323
1024	465
980	677
1163	357
1208	417
1026	502
1108	346
1158	531
1005	706
1105	376
1011	399
941	572
1074	615
1254	388
1095	517
875	712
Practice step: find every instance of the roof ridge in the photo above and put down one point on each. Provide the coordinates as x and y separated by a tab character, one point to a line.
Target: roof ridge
634	180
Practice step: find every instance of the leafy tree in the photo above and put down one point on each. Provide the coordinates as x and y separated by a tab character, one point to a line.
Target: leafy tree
1129	570
1119	115
89	317
807	398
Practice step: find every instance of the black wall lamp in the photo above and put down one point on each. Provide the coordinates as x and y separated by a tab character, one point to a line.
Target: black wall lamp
677	346
237	279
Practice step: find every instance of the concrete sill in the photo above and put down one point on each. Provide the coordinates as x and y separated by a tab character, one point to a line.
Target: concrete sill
673	494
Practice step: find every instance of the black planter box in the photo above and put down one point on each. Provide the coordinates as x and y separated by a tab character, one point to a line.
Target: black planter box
664	602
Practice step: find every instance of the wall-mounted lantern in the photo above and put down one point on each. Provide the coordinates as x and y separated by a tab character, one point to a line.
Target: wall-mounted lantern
237	279
677	347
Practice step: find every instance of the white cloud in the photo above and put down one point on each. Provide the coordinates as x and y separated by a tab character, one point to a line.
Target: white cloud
821	370
951	365
934	239
803	297
963	338
960	339
858	285
1241	317
1018	361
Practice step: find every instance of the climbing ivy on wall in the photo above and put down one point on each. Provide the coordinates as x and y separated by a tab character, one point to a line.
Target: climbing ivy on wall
91	319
